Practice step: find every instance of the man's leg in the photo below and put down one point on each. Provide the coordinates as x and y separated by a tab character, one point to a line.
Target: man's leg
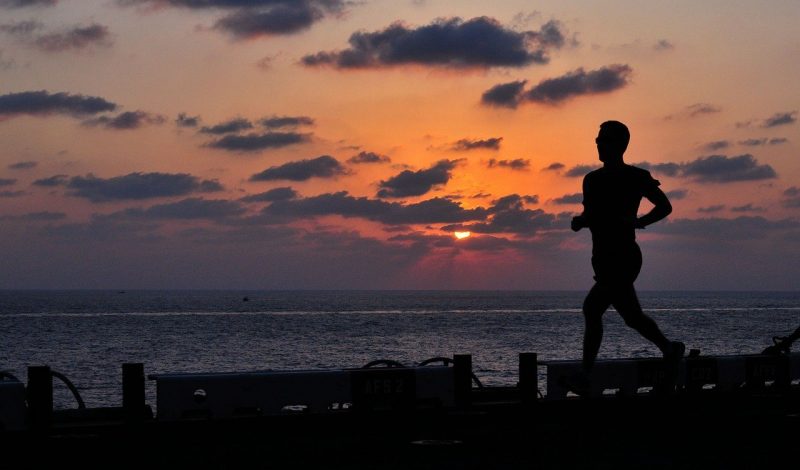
596	303
627	304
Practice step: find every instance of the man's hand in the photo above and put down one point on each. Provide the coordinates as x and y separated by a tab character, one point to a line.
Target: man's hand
578	222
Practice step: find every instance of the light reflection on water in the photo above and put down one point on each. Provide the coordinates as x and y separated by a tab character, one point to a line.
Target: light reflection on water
88	335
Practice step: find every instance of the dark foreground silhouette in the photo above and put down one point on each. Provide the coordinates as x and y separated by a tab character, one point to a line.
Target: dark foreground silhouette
611	197
783	344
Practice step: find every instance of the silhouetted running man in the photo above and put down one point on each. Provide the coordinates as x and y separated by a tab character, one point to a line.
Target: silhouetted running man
611	197
783	344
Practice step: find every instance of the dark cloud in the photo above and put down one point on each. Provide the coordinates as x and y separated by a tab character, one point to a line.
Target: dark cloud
22	165
136	186
75	38
695	110
509	215
21	29
228	127
277	122
711	209
512	201
56	180
463	145
280	19
580	82
579	171
128	120
677	194
79	37
259	142
780	119
576	198
27	3
717	145
519	164
255	18
275	194
722	169
791	197
9	193
663	45
715	168
668	169
369	157
719	229
7	181
186	209
753	142
324	166
449	42
778	140
184	120
748	208
416	183
277	18
554	167
436	210
42	103
698	109
505	95
557	90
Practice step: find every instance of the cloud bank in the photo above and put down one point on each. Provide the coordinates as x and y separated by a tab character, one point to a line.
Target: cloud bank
436	210
247	19
126	121
257	142
416	183
463	145
323	166
449	42
43	103
519	164
74	38
368	157
134	186
553	91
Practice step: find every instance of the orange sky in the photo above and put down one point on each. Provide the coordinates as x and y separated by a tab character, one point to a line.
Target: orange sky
692	82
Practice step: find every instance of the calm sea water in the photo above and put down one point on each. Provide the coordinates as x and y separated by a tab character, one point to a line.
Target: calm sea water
87	335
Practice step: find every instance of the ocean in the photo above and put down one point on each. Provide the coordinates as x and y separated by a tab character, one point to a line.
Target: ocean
87	335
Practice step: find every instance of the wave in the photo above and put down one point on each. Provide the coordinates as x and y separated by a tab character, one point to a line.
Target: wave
380	312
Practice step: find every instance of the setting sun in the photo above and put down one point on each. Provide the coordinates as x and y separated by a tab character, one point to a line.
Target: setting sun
462	235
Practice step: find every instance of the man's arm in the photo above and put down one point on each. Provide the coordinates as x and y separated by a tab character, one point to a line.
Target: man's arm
581	221
661	208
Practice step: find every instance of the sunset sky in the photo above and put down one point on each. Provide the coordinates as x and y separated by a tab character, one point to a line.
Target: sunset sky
335	144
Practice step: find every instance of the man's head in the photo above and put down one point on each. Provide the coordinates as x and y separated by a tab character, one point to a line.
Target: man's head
612	141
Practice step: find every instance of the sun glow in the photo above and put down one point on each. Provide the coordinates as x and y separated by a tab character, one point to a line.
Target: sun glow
462	235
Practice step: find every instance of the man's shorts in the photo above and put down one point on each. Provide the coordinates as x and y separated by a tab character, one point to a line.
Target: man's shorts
617	265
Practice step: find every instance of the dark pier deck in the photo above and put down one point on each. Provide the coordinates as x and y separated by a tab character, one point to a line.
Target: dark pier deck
753	425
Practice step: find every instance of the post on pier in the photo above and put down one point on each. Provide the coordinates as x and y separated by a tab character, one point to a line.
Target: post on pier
462	379
528	378
40	396
133	401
